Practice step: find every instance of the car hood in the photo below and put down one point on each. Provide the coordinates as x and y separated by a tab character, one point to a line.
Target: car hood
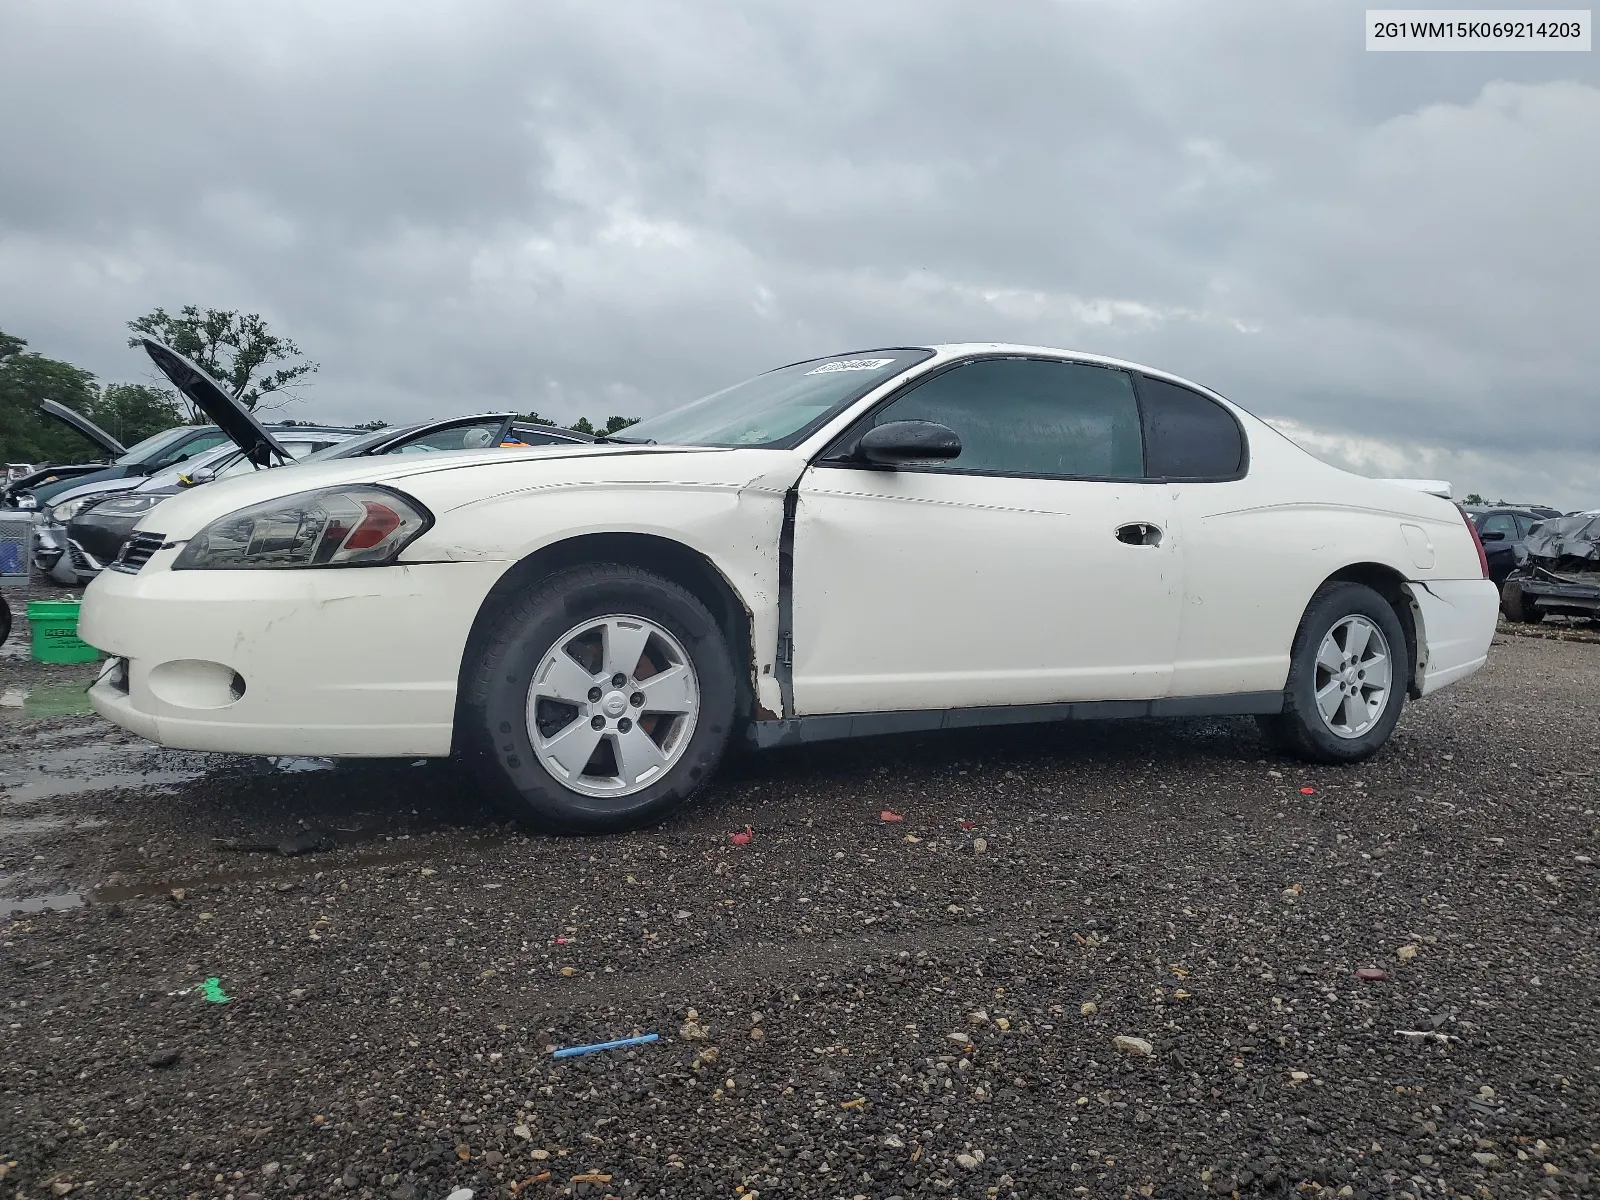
211	398
92	485
452	479
1571	542
49	493
77	421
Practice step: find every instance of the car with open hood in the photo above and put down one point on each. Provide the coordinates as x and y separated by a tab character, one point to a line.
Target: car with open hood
97	532
21	480
895	540
235	427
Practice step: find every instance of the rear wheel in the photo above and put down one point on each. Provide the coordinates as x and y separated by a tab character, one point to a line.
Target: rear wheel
1347	680
602	699
1516	605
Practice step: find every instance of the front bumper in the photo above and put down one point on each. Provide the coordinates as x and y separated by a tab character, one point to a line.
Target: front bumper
351	663
1551	595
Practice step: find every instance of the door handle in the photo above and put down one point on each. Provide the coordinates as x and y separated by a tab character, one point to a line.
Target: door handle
1139	533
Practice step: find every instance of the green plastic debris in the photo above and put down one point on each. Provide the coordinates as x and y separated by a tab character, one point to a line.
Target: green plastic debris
213	990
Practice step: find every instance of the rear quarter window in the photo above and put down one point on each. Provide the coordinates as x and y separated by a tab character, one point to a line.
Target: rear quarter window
1188	436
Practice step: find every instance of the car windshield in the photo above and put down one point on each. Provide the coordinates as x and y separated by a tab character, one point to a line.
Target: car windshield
150	447
778	409
206	458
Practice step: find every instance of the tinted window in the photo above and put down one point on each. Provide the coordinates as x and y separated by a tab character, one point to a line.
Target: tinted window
1502	523
191	448
531	437
1187	435
201	441
1020	416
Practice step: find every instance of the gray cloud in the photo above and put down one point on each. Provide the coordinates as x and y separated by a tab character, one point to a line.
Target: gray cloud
596	208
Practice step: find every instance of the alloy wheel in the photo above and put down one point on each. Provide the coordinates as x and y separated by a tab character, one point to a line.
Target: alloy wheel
1354	676
612	706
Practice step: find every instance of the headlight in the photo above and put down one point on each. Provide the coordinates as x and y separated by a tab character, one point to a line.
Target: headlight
361	525
129	506
67	509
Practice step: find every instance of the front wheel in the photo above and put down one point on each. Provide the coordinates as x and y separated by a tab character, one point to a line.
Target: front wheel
1348	672
1516	606
602	699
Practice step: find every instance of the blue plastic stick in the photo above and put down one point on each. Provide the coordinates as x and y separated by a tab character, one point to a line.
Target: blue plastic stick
572	1051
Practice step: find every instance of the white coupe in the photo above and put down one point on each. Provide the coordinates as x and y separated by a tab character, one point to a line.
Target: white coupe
893	540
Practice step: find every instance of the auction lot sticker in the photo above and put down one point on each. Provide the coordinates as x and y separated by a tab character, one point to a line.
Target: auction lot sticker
1478	28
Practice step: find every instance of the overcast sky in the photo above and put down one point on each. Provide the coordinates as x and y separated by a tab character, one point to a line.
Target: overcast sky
596	207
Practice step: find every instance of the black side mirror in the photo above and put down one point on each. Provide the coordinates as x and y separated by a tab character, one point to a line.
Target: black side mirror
899	443
1494	535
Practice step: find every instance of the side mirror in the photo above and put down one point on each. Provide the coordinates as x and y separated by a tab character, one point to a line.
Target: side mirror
198	476
900	443
1494	535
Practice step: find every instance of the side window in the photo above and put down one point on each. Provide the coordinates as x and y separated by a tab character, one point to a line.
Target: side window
187	450
476	436
1502	523
528	437
1024	416
1187	435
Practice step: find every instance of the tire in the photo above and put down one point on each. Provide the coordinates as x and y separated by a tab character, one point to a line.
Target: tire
538	634
1516	605
5	620
1363	717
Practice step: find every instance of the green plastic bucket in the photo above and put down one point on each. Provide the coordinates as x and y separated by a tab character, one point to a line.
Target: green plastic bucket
55	633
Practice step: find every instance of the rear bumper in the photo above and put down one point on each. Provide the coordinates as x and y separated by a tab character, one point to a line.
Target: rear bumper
1456	620
344	663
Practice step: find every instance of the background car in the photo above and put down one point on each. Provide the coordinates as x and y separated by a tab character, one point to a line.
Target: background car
1502	530
99	523
22	479
101	530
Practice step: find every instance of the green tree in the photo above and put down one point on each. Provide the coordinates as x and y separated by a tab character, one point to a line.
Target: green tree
238	350
1473	498
26	434
583	424
131	412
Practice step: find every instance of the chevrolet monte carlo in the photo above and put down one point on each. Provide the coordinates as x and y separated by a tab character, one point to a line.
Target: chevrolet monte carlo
891	540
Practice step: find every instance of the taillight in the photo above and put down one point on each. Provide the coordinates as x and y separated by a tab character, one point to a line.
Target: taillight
1477	542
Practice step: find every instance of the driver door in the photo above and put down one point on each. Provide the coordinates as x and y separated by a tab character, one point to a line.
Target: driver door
1035	567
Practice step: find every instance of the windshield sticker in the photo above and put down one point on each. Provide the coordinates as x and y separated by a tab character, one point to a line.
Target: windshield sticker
851	364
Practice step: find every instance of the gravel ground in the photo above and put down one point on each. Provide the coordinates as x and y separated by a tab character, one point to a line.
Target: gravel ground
1113	960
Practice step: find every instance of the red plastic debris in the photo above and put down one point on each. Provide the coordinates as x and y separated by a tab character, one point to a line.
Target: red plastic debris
745	838
889	818
561	941
968	824
1372	974
1308	791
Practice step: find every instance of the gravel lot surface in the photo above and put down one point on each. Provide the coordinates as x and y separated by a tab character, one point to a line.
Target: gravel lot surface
1114	960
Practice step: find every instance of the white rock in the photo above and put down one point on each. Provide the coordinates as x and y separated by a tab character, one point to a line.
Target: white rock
1133	1045
967	1162
460	1194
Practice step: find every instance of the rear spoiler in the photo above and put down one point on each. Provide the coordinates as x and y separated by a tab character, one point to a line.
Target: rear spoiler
1433	487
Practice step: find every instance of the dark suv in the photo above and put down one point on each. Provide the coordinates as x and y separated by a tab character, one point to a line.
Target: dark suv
1502	530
